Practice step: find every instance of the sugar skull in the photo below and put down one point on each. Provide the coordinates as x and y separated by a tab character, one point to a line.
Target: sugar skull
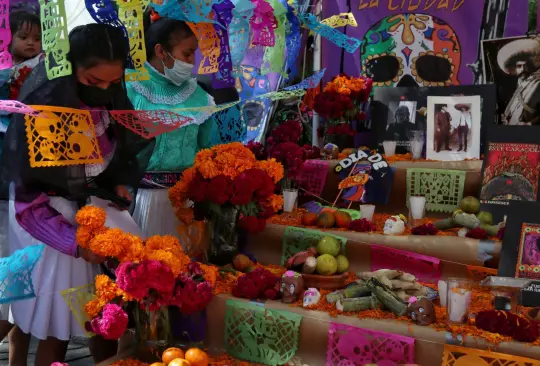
411	50
292	286
421	311
311	297
394	225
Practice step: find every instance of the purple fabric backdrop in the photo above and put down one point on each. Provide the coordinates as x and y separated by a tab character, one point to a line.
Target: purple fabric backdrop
465	20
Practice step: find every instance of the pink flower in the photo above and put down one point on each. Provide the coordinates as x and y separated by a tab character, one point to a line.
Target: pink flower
138	279
191	296
112	324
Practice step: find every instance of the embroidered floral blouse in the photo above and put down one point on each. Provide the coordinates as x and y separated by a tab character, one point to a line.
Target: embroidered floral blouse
175	150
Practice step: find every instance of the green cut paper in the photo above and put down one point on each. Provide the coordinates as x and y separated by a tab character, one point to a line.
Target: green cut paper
297	240
274	57
279	95
256	334
442	188
54	36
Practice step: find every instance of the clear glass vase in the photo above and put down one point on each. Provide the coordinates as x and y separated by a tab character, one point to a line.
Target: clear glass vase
224	236
152	333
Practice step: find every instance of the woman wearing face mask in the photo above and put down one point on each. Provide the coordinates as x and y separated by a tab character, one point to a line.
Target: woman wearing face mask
171	47
43	201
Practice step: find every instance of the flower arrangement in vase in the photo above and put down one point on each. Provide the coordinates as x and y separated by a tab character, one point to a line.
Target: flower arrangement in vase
230	188
340	103
151	275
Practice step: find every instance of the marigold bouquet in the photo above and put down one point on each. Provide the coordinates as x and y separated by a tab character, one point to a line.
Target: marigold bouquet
151	275
229	176
341	101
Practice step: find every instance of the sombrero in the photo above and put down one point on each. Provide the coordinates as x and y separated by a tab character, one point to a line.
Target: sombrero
516	50
462	105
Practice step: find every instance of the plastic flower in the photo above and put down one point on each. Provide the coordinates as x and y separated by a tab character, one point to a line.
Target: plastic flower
112	324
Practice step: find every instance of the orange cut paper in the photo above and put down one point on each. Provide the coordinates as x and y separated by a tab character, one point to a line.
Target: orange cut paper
150	124
61	136
462	356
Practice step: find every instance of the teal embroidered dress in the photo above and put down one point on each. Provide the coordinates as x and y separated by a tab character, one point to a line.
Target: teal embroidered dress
174	151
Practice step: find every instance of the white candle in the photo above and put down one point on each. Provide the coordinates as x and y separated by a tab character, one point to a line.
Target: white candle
458	304
417	206
443	289
367	211
389	148
416	147
289	200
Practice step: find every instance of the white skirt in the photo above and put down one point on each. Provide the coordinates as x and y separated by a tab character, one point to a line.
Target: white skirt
48	315
154	213
4	247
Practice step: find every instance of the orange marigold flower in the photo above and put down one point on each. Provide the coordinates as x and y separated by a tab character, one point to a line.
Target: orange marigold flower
209	273
108	244
133	249
185	215
91	216
179	192
177	263
228	159
167	243
83	236
106	289
93	308
272	167
276	202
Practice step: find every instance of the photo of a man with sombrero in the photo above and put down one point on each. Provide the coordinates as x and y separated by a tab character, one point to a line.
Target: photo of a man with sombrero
462	125
519	61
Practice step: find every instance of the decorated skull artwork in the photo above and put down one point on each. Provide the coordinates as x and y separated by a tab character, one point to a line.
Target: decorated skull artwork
394	225
311	297
411	50
292	286
421	311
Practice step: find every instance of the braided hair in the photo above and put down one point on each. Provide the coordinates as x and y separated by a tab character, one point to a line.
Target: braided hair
166	32
92	44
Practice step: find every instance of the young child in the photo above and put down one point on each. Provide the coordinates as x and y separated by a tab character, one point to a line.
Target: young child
26	52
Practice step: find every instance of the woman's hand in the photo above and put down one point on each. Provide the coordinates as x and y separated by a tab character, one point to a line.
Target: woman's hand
90	256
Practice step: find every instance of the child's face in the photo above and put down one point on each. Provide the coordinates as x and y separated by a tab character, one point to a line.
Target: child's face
26	42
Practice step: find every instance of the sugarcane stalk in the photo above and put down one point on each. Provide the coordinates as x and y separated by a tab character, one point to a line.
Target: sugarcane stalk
387	297
491	230
466	220
349	292
334	297
445	224
358	304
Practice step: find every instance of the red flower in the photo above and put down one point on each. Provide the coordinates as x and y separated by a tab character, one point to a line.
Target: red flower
290	155
258	150
261	183
242	190
477	233
220	189
508	324
311	152
362	226
249	224
425	229
259	283
198	189
289	131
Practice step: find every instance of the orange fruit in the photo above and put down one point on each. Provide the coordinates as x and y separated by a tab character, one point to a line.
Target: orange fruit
179	362
326	220
343	219
309	219
171	354
196	357
158	364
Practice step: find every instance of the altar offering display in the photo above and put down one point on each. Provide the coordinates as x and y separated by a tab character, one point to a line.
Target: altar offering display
453	128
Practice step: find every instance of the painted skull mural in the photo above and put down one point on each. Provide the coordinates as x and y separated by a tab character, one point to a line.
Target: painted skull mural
410	50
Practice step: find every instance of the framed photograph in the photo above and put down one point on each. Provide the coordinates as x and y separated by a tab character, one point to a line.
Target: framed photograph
453	128
512	64
528	264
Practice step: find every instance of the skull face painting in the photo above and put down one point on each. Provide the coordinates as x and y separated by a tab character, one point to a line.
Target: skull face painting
411	50
292	286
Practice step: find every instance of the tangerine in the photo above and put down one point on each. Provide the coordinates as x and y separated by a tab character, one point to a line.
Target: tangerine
171	354
179	362
309	219
158	364
326	220
343	219
197	357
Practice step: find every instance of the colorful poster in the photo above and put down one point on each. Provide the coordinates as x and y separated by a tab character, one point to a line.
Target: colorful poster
528	265
419	42
511	172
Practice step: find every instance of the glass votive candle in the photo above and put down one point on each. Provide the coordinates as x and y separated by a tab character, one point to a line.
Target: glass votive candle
367	211
389	148
417	210
416	149
443	291
458	300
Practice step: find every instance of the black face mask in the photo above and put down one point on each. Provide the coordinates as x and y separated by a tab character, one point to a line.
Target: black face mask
94	96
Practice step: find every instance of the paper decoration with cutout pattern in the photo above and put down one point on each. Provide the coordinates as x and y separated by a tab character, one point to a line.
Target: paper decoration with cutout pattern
341	20
131	15
149	124
54	37
223	14
293	40
308	83
16	274
6	60
60	137
462	356
239	32
350	44
274	57
105	12
283	94
263	22
76	298
13	106
209	45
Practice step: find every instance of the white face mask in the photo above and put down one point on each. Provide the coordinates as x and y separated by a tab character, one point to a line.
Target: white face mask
180	72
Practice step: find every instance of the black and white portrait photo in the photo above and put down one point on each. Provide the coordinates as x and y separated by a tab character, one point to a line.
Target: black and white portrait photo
401	120
453	128
514	65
